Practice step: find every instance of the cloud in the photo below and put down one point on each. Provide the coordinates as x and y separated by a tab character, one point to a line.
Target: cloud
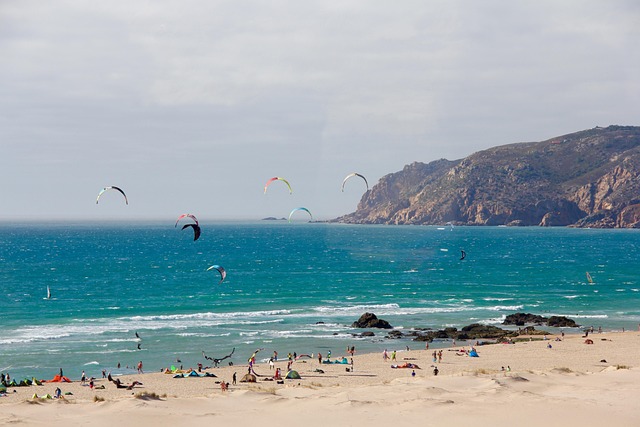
151	92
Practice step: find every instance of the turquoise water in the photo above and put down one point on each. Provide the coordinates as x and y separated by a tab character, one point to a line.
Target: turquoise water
290	287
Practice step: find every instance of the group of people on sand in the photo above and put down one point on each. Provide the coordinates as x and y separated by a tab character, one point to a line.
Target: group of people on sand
5	379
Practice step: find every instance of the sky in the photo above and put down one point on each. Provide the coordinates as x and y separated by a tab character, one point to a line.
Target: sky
190	106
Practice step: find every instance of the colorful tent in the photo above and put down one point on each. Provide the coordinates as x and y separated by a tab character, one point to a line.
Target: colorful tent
293	375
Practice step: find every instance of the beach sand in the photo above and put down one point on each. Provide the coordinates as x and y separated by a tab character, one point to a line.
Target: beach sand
569	384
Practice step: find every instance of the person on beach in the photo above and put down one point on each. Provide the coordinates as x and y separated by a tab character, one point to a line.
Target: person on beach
61	373
140	367
83	378
275	356
58	393
393	355
435	371
385	356
435	356
320	358
271	364
233	379
440	356
426	346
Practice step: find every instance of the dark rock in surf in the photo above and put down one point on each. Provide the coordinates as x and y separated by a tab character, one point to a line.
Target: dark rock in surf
395	334
520	319
561	322
370	320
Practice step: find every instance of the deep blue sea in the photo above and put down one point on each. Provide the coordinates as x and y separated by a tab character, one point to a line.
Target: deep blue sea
289	287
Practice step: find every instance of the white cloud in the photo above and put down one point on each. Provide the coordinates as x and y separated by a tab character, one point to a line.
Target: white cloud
156	91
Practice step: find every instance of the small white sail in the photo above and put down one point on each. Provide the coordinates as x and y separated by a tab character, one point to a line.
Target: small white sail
48	292
589	279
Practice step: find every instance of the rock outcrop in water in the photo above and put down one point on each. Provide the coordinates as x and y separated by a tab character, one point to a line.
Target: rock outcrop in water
370	320
585	179
520	319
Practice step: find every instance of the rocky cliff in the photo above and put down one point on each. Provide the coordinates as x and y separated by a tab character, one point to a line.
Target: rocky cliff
585	179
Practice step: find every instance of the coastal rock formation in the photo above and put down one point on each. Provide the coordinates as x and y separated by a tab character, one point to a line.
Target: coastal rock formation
370	320
520	319
561	322
585	179
474	331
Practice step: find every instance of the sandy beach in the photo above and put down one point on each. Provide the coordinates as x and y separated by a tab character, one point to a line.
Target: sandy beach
528	383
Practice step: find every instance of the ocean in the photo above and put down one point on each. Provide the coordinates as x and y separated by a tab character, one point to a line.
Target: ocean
290	287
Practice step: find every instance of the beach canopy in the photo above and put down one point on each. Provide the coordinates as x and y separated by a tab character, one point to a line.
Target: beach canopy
473	353
293	375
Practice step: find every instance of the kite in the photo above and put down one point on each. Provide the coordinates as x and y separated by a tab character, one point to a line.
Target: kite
463	254
352	175
196	226
112	188
196	230
216	361
277	178
300	209
186	216
221	270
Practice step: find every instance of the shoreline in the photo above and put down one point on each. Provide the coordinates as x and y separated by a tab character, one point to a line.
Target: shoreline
529	366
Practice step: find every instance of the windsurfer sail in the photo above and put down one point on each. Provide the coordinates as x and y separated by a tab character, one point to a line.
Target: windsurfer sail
48	293
589	278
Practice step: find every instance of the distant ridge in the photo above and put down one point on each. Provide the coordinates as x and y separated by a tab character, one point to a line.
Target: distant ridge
584	179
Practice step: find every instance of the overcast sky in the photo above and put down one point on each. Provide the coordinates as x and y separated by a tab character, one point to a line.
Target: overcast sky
192	105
